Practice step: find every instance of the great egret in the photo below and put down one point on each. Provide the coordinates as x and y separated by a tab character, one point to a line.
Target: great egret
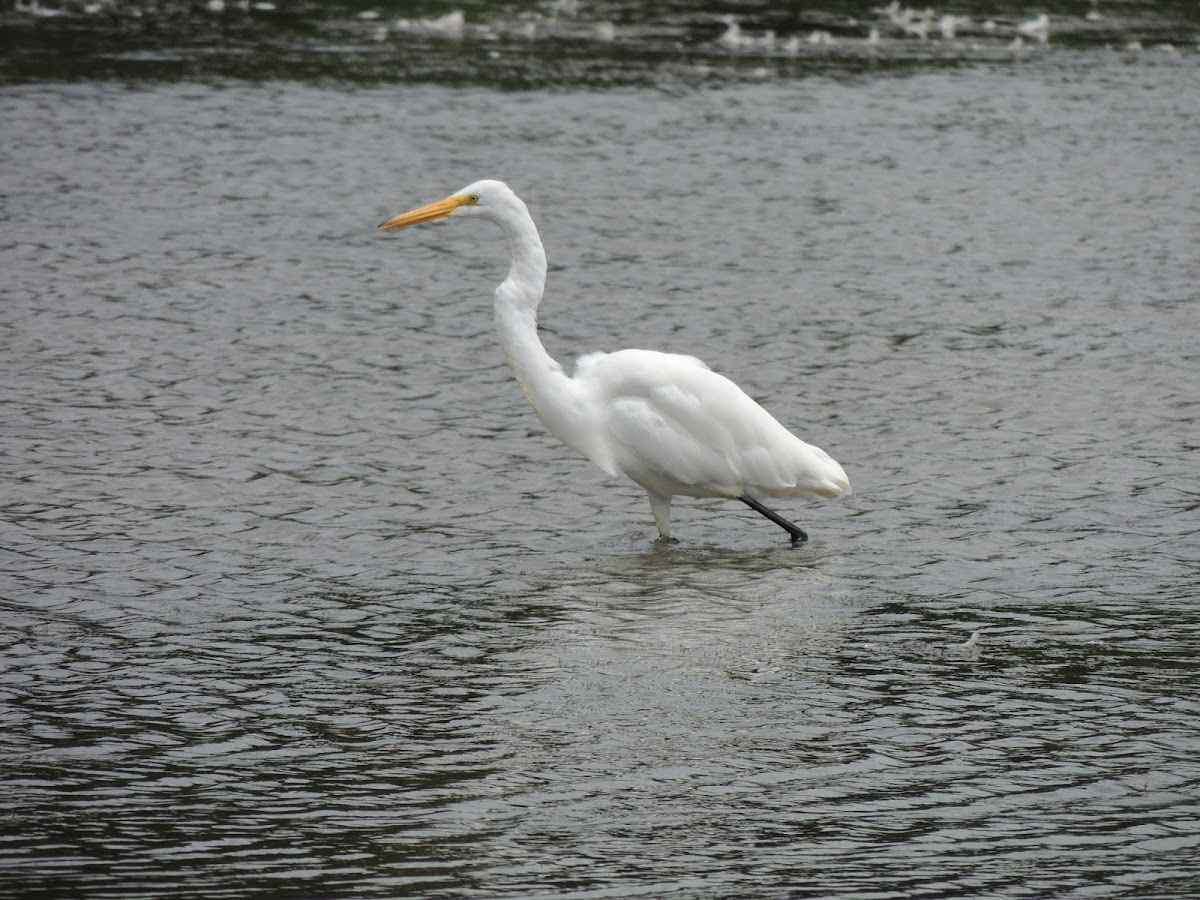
666	421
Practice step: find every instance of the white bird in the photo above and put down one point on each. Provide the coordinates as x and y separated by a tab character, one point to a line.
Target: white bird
666	421
732	35
1038	28
948	25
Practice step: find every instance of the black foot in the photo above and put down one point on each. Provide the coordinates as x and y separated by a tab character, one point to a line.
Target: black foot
795	531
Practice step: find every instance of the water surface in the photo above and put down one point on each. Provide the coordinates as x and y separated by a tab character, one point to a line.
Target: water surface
299	598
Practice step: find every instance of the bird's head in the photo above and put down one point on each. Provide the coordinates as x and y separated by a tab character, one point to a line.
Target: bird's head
482	200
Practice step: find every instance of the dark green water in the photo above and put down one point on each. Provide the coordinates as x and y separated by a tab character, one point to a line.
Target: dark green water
563	43
298	599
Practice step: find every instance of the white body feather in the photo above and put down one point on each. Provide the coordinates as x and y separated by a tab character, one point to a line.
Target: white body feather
676	427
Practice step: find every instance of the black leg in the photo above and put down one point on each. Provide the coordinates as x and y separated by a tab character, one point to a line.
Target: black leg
795	531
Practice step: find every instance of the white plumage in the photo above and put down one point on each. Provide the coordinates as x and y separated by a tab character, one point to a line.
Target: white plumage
665	420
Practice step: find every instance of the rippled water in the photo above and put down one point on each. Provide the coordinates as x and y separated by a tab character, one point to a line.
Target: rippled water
555	43
299	598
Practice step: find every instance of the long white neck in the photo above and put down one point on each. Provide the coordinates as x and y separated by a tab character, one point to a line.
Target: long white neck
549	389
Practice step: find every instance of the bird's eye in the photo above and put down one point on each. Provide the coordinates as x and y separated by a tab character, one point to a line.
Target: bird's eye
473	199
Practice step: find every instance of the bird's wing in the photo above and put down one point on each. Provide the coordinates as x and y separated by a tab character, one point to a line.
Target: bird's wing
672	416
652	446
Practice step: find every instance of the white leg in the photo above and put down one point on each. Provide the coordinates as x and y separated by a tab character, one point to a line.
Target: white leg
661	507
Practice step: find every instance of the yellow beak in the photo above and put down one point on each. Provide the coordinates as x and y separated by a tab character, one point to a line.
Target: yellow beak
438	210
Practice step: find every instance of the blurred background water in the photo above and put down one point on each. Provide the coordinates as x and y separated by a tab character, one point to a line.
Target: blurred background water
556	43
299	598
